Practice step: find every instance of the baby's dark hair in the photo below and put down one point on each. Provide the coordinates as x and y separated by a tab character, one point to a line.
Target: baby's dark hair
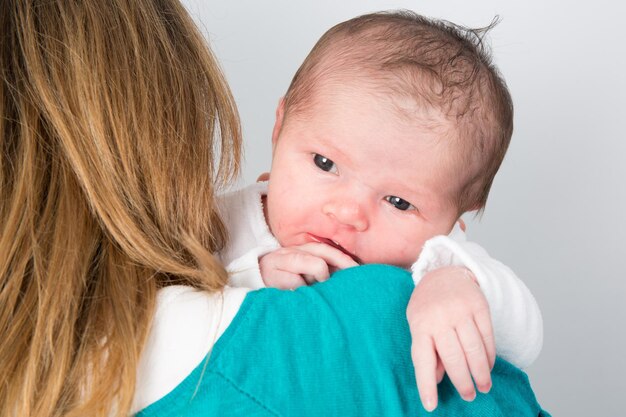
439	65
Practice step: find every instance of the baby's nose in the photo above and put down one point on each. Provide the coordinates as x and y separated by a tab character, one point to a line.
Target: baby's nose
347	212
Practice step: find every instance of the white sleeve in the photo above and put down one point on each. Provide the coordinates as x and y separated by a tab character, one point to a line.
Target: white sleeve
244	272
249	236
516	318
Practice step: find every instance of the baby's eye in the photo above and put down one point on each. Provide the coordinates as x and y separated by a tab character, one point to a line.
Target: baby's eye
399	203
324	163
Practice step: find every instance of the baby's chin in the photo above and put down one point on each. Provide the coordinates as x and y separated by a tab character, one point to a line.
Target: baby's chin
400	264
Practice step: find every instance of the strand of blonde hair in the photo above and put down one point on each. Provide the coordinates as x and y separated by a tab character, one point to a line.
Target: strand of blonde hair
117	128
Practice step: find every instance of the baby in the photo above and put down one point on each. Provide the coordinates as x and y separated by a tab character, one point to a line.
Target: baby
393	127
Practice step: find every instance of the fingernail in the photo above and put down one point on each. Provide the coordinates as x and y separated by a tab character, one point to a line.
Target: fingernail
469	397
485	388
429	404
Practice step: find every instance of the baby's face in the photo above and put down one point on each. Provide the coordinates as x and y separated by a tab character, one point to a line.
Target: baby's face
354	174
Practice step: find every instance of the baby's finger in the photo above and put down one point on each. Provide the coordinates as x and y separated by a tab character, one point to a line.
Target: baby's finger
425	362
475	355
310	267
440	372
485	327
453	358
331	255
285	280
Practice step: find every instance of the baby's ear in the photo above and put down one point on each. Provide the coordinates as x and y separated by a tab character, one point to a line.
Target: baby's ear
263	177
278	124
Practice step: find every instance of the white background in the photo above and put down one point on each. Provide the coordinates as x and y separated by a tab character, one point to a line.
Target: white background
556	211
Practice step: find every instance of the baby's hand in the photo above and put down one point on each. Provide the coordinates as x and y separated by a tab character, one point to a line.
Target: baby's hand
295	266
451	330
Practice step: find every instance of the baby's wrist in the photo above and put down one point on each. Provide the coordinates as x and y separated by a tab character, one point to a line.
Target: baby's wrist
469	275
455	270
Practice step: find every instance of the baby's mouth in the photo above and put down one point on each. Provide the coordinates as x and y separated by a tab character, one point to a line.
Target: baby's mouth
335	245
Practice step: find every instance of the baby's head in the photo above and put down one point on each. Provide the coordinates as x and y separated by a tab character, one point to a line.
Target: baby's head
393	127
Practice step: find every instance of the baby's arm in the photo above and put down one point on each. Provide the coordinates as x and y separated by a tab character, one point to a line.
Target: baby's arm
286	268
244	271
444	303
516	318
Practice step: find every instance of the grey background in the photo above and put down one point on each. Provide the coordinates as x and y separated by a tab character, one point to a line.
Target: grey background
555	214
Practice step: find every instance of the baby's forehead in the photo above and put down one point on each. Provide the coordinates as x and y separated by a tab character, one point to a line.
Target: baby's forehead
422	121
413	135
388	94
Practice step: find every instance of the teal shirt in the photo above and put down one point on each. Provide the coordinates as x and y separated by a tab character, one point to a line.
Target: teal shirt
338	348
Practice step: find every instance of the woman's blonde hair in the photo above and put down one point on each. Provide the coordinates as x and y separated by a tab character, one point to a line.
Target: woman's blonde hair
116	129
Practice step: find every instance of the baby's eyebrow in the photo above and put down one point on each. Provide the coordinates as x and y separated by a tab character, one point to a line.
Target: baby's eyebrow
423	199
331	151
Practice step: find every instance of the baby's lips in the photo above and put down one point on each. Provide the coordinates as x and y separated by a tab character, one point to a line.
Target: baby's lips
330	242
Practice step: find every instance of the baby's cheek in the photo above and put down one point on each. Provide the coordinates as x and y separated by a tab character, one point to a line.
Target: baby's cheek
282	231
408	255
396	250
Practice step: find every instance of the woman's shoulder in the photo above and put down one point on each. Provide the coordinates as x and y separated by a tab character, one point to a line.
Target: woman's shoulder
313	342
187	323
341	347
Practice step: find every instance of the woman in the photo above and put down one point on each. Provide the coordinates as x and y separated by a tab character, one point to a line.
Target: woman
117	130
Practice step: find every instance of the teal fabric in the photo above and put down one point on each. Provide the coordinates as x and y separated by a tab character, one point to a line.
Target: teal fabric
339	348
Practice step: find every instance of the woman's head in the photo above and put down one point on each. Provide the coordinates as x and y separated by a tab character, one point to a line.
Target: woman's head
116	129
